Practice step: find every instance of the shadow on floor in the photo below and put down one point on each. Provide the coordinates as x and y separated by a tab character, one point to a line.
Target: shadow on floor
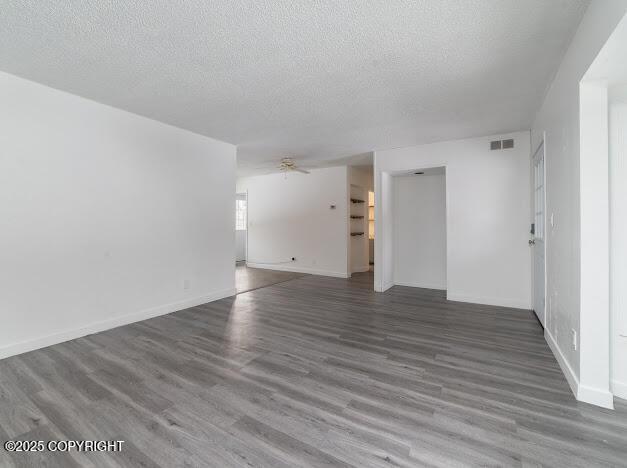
247	279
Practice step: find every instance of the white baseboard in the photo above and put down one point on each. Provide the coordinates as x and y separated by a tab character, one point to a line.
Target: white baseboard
569	373
619	389
495	301
594	396
60	337
385	287
420	285
299	269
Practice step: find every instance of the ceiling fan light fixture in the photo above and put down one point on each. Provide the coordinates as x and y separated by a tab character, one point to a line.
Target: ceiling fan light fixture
288	165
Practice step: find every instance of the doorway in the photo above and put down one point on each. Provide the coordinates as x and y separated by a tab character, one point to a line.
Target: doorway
419	229
537	241
241	226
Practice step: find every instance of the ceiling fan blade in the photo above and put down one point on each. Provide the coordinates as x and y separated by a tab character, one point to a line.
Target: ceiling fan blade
303	171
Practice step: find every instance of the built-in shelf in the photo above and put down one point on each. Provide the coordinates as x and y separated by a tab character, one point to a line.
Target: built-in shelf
356	200
357	234
356	217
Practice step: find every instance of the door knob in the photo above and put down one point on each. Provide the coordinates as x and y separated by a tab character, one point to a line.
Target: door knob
532	242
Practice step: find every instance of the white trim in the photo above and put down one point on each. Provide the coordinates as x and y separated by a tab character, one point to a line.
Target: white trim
593	396
60	337
379	285
421	285
495	301
384	287
596	396
299	269
541	146
619	389
569	373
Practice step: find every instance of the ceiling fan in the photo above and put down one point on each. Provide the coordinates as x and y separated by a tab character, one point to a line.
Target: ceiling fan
288	165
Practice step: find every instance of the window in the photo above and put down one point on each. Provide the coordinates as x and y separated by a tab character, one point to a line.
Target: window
240	215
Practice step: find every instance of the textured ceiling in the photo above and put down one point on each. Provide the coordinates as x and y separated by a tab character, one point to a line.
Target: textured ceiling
303	78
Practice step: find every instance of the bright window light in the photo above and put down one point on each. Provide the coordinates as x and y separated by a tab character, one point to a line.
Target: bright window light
240	215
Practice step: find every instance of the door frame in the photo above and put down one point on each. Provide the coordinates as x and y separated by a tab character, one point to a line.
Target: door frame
540	147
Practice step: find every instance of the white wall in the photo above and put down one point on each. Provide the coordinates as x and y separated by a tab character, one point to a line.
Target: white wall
618	243
290	216
488	202
420	231
594	264
104	215
558	117
383	229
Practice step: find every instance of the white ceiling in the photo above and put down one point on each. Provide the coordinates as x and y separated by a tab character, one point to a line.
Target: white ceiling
315	80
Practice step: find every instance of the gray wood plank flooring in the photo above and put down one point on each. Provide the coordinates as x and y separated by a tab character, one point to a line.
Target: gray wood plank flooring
314	371
247	279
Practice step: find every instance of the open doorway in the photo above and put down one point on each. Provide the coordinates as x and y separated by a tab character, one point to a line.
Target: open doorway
241	227
246	277
358	227
419	229
361	224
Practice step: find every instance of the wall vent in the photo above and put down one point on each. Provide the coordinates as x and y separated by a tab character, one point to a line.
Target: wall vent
495	145
501	144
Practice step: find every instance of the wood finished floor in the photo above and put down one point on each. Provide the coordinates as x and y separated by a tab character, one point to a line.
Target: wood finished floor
247	279
311	372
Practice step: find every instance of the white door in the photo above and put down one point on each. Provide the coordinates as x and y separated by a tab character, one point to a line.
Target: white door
538	232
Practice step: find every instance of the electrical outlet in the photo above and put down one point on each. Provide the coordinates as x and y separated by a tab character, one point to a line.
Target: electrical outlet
187	284
573	334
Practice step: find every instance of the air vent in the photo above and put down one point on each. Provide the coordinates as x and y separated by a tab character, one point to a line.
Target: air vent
501	144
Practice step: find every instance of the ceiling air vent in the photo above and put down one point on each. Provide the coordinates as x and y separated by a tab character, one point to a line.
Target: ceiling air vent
495	145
